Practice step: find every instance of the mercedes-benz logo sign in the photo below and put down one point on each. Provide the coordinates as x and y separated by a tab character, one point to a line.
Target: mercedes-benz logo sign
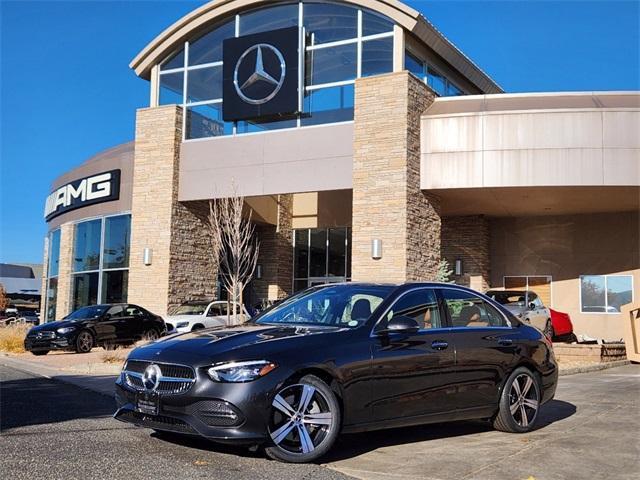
274	79
151	377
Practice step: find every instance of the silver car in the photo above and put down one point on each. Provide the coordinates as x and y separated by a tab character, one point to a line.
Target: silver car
526	305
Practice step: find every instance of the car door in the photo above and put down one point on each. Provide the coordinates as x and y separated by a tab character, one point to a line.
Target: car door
536	312
110	327
413	373
134	324
485	348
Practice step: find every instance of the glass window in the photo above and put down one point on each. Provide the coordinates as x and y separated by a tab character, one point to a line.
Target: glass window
605	293
469	310
337	252
204	84
436	81
272	18
452	90
175	61
54	253
86	252
52	298
117	233
328	105
377	56
171	85
373	24
318	254
114	286
414	65
208	48
85	289
301	254
326	22
333	64
263	126
360	307
116	311
206	121
421	305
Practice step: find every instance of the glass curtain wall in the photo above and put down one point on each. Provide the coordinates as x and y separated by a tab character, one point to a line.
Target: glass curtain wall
53	269
321	256
428	74
341	43
101	261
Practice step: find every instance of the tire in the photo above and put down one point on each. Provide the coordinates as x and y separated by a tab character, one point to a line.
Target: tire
548	329
151	335
84	342
553	333
196	327
295	437
519	402
37	353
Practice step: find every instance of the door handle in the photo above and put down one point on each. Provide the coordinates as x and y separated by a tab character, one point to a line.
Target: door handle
505	342
439	345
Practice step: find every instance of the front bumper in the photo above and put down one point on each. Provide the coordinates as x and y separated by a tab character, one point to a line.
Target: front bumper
190	412
32	344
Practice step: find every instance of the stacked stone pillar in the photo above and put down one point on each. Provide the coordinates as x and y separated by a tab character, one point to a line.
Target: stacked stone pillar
467	239
175	233
64	302
387	201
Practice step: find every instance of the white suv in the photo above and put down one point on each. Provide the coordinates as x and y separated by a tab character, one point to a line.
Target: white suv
192	316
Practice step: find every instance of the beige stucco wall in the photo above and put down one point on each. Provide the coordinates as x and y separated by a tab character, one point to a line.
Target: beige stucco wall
566	247
322	209
536	140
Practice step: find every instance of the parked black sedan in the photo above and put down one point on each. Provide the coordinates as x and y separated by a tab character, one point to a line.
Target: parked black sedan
96	325
343	358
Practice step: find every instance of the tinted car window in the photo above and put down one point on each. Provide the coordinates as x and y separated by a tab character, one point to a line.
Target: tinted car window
94	311
421	305
115	311
469	310
133	311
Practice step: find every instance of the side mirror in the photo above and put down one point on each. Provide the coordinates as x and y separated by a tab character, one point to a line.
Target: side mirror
532	306
400	324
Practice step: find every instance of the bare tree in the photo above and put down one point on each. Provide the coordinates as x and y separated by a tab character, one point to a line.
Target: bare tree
238	247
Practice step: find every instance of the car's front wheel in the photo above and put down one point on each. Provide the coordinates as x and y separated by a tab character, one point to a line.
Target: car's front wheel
305	421
519	402
84	342
151	335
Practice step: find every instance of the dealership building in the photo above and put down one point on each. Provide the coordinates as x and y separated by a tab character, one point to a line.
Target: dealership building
368	148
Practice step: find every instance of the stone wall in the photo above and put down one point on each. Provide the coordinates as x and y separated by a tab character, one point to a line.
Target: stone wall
180	269
64	303
467	239
387	201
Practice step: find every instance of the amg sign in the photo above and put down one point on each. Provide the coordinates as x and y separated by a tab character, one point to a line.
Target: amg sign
103	187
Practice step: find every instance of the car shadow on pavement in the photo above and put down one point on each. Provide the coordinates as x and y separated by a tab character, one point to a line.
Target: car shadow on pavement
36	401
353	445
203	444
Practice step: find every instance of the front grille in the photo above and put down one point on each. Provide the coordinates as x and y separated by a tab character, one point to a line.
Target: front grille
159	422
174	379
42	335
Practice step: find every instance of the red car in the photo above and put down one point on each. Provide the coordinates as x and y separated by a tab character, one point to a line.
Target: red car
561	324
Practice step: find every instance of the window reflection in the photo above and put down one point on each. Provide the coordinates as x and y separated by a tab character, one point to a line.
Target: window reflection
321	256
206	121
326	22
334	64
208	48
86	253
204	84
377	56
171	86
272	18
328	105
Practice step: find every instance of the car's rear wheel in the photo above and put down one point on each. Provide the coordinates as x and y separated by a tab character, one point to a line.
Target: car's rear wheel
305	421
84	342
37	353
519	402
151	335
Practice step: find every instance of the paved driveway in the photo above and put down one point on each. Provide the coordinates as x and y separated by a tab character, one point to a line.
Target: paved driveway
591	431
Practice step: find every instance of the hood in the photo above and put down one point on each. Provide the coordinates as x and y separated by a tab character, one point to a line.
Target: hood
212	342
59	324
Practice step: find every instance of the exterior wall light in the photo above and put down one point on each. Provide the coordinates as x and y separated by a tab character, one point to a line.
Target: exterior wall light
458	267
376	249
258	272
147	256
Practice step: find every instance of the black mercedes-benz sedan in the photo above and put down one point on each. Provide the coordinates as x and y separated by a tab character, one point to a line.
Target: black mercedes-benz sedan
343	358
95	325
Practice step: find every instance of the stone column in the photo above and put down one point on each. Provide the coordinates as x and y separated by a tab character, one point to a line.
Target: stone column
43	280
467	239
175	232
276	254
387	201
64	303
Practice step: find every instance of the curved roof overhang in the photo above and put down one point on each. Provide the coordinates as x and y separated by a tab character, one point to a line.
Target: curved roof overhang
404	16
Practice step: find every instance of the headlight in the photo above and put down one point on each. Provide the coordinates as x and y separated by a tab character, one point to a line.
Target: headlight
237	372
66	330
182	324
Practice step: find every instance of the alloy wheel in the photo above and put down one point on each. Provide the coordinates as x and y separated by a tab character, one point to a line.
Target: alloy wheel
301	419
524	400
85	342
151	335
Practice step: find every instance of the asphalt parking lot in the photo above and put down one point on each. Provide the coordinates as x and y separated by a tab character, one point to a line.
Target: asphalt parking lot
591	430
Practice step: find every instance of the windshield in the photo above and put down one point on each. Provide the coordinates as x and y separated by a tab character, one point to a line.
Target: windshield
338	305
189	309
508	298
94	311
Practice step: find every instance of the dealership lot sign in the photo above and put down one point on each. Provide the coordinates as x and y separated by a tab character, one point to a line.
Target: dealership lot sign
103	187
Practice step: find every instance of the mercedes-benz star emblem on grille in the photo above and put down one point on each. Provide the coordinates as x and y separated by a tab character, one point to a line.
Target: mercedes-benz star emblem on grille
151	377
260	74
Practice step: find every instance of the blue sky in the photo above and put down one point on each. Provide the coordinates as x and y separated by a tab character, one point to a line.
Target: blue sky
67	92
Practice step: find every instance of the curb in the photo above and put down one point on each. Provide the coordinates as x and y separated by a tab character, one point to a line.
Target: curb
102	384
594	368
